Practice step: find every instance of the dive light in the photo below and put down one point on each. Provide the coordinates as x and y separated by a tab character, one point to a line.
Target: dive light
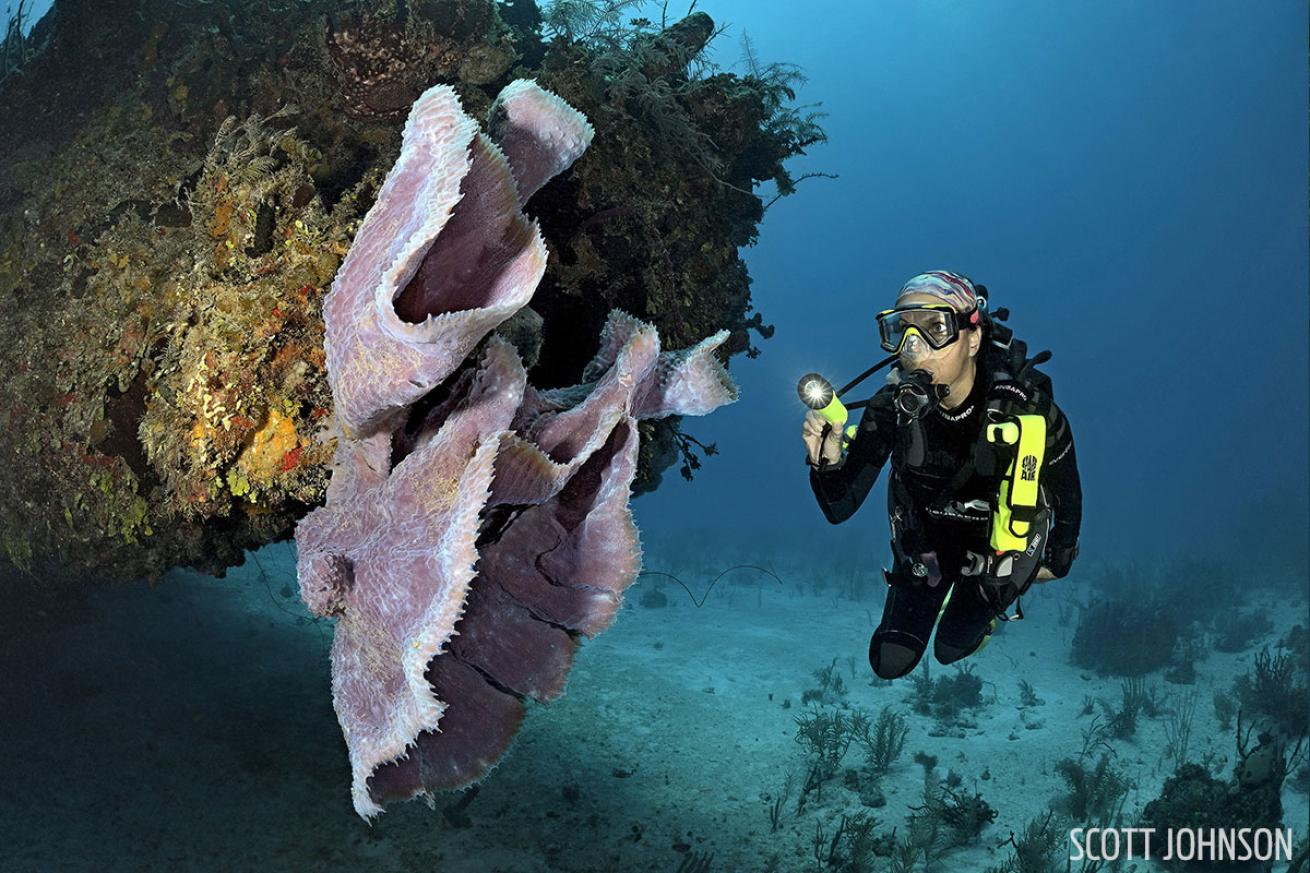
818	394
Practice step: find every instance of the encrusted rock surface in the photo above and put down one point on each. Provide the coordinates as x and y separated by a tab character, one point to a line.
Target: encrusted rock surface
179	184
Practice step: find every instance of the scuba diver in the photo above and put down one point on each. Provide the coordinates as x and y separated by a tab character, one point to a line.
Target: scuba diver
984	497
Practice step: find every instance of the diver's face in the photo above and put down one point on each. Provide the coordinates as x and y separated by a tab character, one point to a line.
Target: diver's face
947	365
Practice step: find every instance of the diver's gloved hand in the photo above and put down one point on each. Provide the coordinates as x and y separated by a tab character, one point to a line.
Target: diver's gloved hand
1059	559
817	446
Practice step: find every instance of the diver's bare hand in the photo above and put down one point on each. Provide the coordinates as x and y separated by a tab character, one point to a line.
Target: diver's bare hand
815	443
1044	575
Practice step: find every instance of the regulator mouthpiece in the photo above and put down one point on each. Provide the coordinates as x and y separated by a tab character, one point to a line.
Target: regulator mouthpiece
916	393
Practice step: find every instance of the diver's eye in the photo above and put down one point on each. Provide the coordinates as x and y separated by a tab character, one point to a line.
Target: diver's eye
937	330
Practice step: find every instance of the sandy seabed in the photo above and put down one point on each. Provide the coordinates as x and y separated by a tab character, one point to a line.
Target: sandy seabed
190	728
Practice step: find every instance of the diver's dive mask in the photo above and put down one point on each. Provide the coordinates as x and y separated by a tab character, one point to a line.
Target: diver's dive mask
937	324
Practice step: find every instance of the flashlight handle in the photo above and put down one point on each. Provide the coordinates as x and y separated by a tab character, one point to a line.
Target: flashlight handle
835	413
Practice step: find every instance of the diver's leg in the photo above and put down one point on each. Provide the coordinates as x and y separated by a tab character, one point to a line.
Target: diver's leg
907	620
966	623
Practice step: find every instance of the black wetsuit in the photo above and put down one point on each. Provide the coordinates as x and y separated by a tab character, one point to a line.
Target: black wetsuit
923	521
